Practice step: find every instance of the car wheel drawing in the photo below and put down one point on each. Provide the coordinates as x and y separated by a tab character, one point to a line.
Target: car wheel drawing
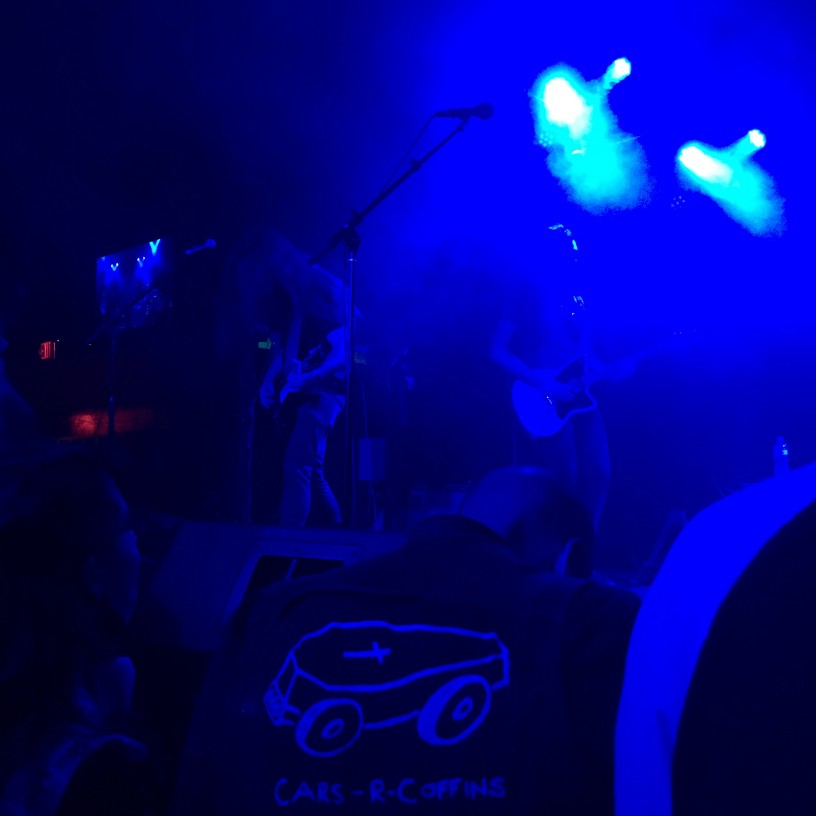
329	727
455	710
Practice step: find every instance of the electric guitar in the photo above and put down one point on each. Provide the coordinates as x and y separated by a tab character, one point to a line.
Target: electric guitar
543	416
309	363
279	367
283	368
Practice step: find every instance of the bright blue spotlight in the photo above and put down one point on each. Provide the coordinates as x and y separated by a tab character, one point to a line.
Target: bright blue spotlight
704	166
598	165
154	246
748	145
616	72
735	182
621	68
757	138
565	106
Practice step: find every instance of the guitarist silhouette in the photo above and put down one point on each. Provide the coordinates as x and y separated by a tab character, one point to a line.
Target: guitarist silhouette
543	341
305	377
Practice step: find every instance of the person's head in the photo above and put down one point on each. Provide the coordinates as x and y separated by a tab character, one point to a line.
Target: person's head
545	525
268	253
69	571
67	521
558	246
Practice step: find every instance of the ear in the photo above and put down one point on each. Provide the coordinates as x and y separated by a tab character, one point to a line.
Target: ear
92	577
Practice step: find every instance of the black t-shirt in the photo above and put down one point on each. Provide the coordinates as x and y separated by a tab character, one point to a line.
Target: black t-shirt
443	678
745	739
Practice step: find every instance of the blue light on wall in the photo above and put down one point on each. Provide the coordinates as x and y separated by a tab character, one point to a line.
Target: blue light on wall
127	282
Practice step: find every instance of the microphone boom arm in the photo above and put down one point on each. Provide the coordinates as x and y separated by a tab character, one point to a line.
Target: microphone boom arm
347	232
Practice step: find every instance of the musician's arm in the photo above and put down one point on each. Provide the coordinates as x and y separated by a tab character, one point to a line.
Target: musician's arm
501	354
334	361
268	390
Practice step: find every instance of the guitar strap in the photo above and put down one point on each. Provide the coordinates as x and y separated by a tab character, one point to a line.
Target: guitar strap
290	349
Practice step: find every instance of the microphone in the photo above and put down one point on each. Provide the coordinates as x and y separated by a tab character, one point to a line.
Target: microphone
208	244
483	111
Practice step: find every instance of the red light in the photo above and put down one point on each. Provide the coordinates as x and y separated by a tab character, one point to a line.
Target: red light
48	350
95	423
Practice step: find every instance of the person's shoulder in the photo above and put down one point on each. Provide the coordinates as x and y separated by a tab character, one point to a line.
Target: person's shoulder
601	613
446	527
261	614
117	777
594	598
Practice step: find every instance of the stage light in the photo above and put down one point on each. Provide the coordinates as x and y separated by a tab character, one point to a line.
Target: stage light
565	106
599	166
748	145
731	178
616	72
697	161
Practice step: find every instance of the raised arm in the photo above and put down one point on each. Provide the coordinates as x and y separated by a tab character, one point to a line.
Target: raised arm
331	367
501	354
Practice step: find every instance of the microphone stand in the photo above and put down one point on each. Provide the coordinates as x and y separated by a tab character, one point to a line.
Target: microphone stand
351	239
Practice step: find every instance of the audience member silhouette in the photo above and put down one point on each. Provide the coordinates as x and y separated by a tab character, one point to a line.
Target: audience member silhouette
458	674
69	569
18	427
717	714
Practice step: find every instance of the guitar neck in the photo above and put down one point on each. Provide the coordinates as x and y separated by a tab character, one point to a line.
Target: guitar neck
290	349
630	361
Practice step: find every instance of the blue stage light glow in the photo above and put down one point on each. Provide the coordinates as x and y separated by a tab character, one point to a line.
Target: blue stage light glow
127	282
735	182
757	138
621	68
617	72
564	105
705	166
749	144
599	166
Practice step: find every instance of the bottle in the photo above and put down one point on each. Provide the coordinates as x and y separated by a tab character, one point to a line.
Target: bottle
780	456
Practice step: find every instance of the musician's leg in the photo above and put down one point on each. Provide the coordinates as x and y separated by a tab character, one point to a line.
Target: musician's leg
303	463
592	452
327	411
298	467
555	454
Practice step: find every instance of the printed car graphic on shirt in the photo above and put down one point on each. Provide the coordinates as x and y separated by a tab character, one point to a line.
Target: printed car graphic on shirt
347	677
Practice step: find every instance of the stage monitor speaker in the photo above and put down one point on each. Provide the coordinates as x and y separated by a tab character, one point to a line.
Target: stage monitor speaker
210	567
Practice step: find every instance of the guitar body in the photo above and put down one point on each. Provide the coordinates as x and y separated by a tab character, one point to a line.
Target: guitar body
282	403
542	416
276	392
